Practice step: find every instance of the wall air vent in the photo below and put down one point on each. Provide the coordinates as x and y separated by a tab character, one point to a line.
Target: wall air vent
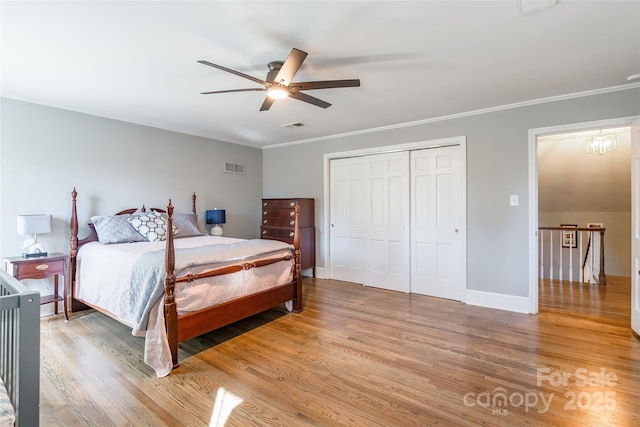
233	168
293	125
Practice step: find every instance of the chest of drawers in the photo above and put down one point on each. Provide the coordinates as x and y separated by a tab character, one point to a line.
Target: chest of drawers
278	220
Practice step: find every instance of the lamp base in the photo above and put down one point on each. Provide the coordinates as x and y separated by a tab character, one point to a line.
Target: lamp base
216	230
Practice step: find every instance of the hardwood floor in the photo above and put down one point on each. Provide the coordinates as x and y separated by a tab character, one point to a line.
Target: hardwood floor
360	356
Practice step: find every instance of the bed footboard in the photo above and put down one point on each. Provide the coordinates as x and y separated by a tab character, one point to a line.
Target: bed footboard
183	327
20	350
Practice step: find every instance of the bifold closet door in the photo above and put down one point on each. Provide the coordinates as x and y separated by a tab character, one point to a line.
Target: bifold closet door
369	242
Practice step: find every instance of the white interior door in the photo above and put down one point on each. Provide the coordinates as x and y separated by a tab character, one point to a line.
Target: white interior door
437	228
346	242
387	218
635	227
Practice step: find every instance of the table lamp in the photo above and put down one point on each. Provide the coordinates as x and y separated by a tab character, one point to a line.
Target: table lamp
216	217
33	224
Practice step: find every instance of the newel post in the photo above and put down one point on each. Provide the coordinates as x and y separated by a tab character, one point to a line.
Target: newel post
602	277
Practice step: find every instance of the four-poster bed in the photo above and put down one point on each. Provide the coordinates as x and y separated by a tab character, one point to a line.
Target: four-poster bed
200	284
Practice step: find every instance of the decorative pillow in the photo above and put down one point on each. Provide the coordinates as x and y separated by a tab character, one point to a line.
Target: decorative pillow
187	224
115	229
152	225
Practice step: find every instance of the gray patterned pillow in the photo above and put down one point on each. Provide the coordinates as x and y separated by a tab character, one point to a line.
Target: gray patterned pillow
151	225
115	229
187	224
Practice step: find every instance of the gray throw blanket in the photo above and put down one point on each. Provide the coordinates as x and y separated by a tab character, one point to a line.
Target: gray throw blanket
147	276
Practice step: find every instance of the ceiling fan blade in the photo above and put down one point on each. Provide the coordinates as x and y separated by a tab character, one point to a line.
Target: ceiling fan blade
268	102
290	66
327	84
237	73
310	99
233	90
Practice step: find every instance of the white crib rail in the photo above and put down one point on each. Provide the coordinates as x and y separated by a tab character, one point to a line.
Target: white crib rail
20	348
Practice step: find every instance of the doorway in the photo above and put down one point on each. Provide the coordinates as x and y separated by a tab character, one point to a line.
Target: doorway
584	181
540	210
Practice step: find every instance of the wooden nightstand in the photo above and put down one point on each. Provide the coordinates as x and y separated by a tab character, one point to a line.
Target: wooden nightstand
54	264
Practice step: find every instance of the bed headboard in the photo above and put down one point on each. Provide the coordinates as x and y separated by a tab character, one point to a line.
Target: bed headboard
93	236
76	243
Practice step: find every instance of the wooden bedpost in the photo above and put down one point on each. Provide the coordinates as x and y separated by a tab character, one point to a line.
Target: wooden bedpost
170	310
73	254
73	226
297	271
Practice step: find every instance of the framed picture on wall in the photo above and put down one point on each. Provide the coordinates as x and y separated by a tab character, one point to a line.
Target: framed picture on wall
569	237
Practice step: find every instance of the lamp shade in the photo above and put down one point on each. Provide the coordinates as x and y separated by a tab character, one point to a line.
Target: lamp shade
216	216
34	224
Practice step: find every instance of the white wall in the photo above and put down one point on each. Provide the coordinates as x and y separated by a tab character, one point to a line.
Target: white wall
45	152
497	166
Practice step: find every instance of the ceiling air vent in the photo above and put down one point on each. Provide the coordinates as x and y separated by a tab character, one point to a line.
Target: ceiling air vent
293	125
233	168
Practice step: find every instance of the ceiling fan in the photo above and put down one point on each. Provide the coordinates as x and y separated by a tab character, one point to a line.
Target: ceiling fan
279	84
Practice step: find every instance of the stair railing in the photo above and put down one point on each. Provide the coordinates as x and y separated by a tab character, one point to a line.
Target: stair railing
563	242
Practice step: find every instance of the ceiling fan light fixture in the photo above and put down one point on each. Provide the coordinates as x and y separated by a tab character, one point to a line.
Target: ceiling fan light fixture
279	82
277	92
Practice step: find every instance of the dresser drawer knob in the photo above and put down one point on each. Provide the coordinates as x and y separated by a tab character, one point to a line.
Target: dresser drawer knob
292	223
265	221
264	204
264	232
265	213
42	267
292	213
292	204
291	234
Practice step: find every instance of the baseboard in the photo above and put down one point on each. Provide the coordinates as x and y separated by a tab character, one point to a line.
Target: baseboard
499	301
321	273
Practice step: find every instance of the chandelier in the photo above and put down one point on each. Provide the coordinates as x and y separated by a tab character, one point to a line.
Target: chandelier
601	143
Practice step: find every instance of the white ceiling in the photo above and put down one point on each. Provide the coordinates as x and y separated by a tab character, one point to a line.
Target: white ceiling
136	61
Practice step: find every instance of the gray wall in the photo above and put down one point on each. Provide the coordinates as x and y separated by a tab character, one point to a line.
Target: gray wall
497	166
45	152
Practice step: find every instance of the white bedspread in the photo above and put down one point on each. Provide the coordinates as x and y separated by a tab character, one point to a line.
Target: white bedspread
103	279
7	412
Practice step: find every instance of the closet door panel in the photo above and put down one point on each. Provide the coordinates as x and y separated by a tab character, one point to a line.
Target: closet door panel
387	254
436	223
347	210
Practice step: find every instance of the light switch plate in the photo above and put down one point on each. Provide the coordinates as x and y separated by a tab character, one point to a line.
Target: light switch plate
513	200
